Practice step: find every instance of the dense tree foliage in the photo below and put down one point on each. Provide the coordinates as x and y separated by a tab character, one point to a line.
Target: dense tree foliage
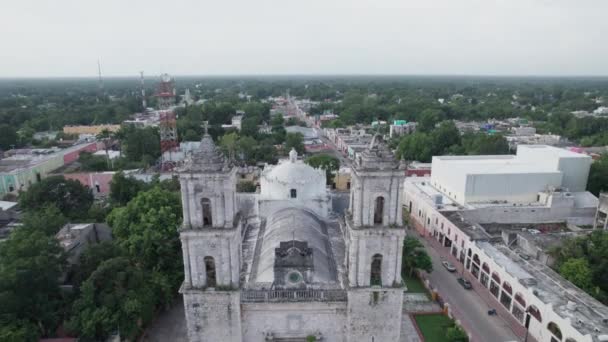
445	139
48	219
598	176
415	257
294	141
330	164
124	188
584	261
118	296
141	144
31	262
69	196
146	228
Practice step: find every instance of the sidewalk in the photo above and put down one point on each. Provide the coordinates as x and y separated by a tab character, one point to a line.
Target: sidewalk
502	313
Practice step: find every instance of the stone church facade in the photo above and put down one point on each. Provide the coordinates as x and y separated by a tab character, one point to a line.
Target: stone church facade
280	265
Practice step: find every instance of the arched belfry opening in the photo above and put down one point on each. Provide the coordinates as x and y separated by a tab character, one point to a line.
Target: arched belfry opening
378	210
210	271
376	270
206	211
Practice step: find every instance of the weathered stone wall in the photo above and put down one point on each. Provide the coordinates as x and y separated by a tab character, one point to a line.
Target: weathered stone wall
213	316
367	187
296	320
223	245
363	244
374	315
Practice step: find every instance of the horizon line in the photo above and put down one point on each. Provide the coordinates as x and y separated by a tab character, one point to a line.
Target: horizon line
251	75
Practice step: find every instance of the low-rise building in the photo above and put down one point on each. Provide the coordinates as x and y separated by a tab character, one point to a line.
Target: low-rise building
28	166
499	216
91	129
401	127
76	238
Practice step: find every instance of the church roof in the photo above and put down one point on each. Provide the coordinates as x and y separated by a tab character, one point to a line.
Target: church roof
207	158
293	224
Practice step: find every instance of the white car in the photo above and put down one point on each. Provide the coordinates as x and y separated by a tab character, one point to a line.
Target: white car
448	266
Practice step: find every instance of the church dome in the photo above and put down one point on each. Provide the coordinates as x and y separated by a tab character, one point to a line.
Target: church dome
277	182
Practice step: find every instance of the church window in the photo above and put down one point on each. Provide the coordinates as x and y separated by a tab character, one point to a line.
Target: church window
210	271
379	210
293	193
206	209
376	271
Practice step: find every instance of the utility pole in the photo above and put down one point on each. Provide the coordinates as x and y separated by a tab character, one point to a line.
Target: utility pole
143	92
100	81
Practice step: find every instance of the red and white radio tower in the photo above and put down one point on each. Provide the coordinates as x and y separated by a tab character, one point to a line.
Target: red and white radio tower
168	122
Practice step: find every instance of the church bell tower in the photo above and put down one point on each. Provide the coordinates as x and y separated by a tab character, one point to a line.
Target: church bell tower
375	235
211	245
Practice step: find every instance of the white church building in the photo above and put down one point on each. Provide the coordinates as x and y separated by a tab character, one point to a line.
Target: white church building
281	265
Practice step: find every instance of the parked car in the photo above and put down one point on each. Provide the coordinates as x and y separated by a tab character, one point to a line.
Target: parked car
465	283
448	266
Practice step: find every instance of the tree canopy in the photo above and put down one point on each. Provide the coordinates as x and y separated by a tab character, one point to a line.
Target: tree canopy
415	257
583	261
69	196
329	164
295	141
598	176
31	263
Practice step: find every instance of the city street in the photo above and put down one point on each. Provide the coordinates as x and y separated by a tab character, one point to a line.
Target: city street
468	307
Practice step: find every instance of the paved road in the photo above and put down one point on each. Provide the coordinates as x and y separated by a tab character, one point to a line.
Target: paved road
467	305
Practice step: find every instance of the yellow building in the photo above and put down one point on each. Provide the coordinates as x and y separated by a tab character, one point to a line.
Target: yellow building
95	129
342	179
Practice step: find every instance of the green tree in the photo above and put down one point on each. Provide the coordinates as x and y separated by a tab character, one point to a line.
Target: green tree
295	141
69	196
325	162
598	176
277	120
428	119
481	144
578	272
141	144
246	147
123	188
117	296
90	260
90	162
30	265
8	137
48	220
228	144
456	334
444	137
415	257
575	256
146	228
415	147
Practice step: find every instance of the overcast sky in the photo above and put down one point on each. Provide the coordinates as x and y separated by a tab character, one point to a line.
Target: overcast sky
219	37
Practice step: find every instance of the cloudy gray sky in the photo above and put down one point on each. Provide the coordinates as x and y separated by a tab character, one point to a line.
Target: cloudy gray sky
481	37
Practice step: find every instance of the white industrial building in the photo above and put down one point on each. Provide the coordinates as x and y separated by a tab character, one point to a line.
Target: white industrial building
514	178
476	206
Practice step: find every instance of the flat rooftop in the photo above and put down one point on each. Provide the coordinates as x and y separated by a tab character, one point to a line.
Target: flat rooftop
472	229
428	193
585	312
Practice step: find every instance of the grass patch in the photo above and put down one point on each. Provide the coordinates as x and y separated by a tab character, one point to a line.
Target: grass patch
414	284
433	327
